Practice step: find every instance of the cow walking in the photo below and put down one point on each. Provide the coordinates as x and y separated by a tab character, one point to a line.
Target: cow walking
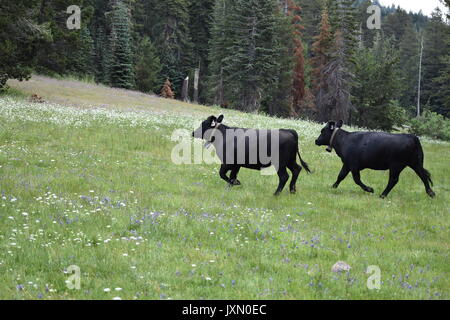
377	151
253	149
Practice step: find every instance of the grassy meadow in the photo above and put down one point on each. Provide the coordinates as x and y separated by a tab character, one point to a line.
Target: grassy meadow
87	179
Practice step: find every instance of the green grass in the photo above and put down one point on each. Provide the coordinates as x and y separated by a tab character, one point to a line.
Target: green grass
100	192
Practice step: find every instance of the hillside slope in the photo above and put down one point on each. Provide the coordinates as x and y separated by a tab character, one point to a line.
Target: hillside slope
87	179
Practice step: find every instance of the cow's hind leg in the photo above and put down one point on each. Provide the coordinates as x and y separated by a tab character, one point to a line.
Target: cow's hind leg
357	178
223	173
425	176
295	169
342	175
233	176
394	173
284	177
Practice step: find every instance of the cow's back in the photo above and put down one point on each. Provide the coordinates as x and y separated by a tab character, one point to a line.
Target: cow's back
379	150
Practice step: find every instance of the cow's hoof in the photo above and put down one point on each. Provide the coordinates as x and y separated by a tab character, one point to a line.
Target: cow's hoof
431	193
369	189
293	191
276	194
383	196
235	182
335	186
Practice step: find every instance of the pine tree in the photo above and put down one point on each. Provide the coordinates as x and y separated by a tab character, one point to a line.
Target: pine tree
344	17
279	95
170	35
148	67
447	3
121	69
298	86
377	77
321	51
63	53
84	55
219	49
311	14
200	22
396	25
19	38
100	52
435	49
250	56
409	49
334	98
443	94
366	35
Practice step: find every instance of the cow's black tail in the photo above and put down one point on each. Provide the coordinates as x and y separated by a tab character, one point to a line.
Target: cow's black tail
304	164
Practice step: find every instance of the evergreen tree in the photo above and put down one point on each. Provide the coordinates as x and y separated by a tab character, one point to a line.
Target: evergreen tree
442	83
101	51
68	51
447	3
250	56
279	95
334	98
200	21
121	68
435	49
298	86
311	13
396	25
344	17
378	78
219	49
366	35
321	49
409	49
19	37
84	55
170	35
148	67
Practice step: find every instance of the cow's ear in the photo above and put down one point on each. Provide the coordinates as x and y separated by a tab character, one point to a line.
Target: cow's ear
220	118
332	125
212	120
340	124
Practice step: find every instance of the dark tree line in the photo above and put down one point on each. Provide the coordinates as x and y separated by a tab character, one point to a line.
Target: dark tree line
300	58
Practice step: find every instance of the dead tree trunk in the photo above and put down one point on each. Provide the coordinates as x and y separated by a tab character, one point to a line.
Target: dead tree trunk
185	90
196	78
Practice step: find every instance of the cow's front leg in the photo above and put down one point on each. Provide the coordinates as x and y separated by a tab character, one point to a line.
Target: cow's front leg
233	176
342	175
223	173
357	179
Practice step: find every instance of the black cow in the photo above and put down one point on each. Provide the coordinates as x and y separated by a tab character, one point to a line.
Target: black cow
377	151
236	149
